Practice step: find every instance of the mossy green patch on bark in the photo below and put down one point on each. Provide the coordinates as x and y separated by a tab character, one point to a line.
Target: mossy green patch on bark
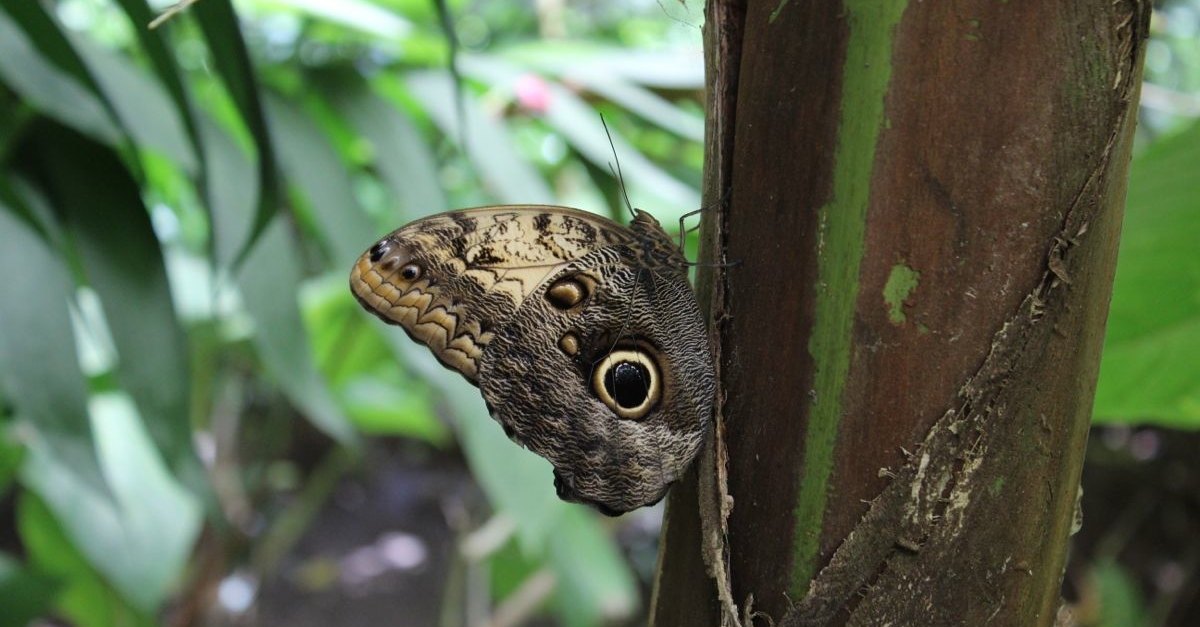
866	74
900	284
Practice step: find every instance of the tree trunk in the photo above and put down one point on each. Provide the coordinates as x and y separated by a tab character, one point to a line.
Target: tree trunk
923	202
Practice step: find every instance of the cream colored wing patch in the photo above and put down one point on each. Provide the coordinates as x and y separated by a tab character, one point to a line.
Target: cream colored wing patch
450	279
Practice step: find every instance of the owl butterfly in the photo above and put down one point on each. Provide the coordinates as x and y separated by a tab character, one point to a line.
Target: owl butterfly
582	334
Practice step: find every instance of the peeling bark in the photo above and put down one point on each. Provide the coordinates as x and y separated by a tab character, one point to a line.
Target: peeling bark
693	553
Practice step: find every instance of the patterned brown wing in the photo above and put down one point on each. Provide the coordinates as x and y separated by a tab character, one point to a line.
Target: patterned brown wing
606	372
451	279
583	336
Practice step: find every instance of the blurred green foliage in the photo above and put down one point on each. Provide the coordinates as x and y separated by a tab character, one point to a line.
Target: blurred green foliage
1150	370
184	204
179	208
1116	595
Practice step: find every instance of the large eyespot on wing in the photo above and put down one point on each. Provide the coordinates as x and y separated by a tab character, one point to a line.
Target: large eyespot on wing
628	381
461	283
606	381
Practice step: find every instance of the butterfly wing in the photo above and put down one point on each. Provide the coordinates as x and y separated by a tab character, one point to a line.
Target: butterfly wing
451	279
605	371
583	335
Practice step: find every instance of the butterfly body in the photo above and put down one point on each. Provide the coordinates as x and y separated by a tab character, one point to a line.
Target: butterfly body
582	334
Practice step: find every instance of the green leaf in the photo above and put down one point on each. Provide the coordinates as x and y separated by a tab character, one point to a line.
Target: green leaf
645	103
595	586
1150	370
120	259
49	89
508	568
49	39
488	145
317	172
676	69
84	598
383	407
11	455
582	127
270	281
140	537
232	190
649	185
39	368
153	44
25	594
141	104
52	42
219	23
402	157
1120	599
361	15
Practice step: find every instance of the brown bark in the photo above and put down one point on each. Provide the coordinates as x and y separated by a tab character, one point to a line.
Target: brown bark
926	253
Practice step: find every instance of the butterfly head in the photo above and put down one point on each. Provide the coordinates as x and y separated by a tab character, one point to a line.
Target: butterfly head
658	250
387	276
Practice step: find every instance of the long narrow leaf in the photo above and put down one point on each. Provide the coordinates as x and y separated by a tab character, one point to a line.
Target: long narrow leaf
270	281
171	76
25	593
145	111
231	188
315	170
85	599
49	89
165	66
581	126
10	460
362	15
596	586
140	536
403	158
121	260
219	23
39	367
487	142
645	103
46	35
680	68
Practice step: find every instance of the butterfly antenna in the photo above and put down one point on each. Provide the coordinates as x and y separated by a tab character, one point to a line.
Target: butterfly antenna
617	172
